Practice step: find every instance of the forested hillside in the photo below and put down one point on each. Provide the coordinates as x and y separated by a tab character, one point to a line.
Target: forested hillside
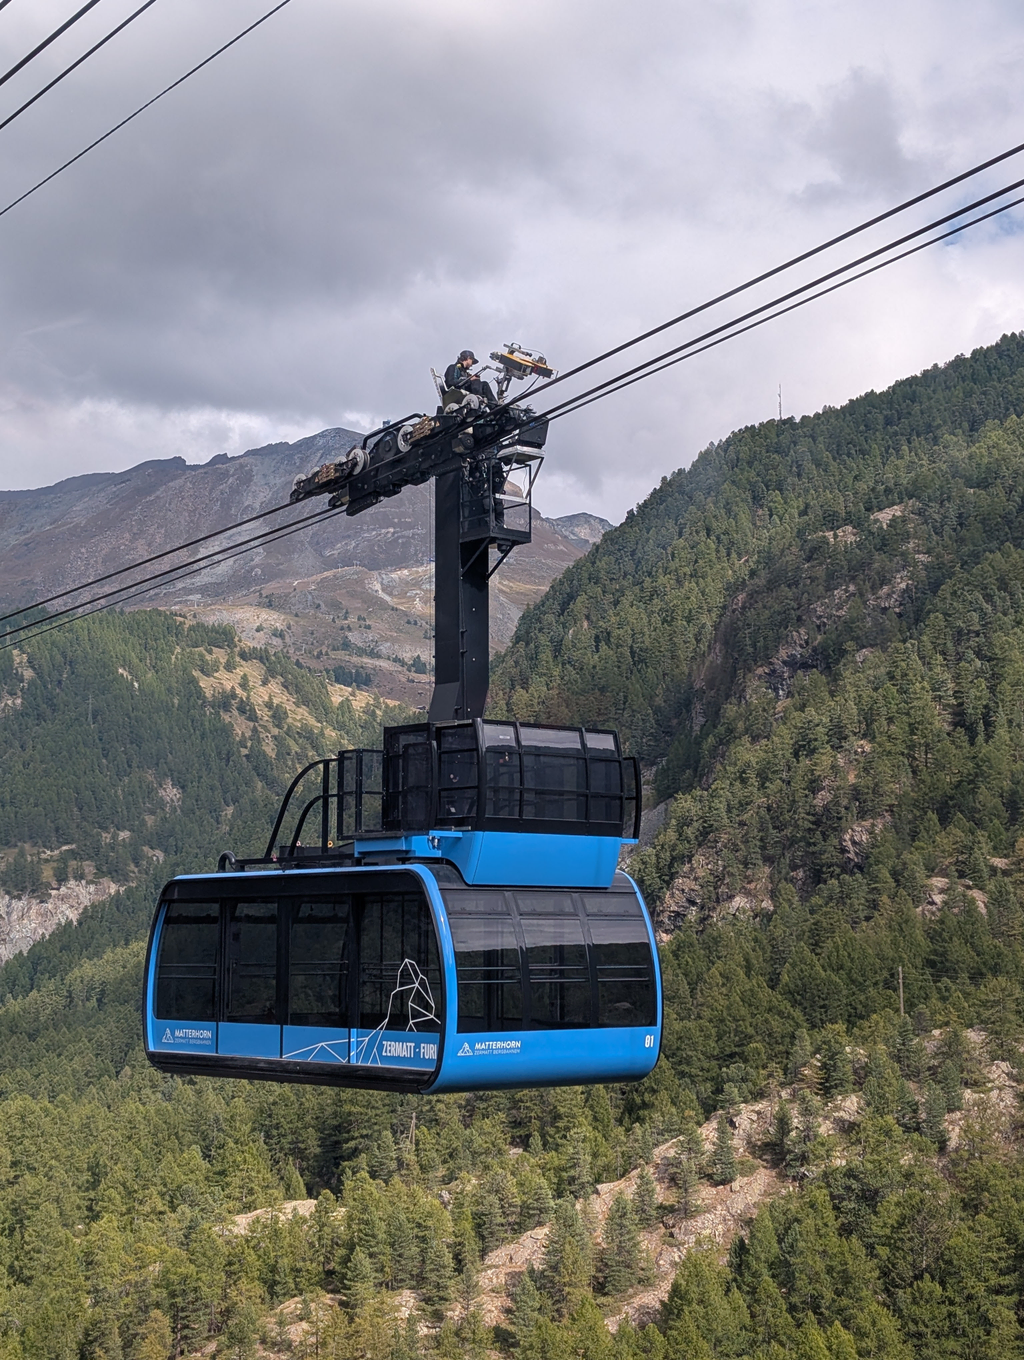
814	638
136	746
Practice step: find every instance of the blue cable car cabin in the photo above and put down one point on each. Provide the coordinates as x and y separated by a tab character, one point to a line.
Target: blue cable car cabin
459	924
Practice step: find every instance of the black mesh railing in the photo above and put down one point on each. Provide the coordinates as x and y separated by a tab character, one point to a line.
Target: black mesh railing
348	803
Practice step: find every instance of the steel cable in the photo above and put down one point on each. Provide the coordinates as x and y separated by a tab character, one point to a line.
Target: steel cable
208	559
142	108
41	47
75	64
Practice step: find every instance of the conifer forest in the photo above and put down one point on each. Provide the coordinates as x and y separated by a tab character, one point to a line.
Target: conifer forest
813	640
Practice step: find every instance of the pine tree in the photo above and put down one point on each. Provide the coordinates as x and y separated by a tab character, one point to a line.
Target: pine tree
781	1130
645	1199
800	1054
836	1066
438	1274
622	1253
381	1159
568	1259
640	1145
526	1307
155	1338
951	1085
933	1124
358	1281
687	1168
723	1156
579	1177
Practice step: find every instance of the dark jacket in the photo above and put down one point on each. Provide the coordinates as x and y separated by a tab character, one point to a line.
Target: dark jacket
457	376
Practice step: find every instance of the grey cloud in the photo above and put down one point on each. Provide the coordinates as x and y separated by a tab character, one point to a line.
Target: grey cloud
356	192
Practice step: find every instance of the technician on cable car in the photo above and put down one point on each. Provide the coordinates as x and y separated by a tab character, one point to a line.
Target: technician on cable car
457	377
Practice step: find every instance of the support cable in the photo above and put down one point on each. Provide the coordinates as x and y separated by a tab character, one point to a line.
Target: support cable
207	559
145	589
728	329
75	64
788	264
660	362
146	561
47	41
142	108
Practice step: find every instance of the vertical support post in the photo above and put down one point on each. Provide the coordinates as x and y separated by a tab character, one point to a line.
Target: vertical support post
901	989
325	807
461	610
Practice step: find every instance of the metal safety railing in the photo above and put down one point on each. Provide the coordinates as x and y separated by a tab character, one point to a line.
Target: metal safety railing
348	803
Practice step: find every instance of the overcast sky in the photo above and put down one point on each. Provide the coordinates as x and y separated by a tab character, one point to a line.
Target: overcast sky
358	190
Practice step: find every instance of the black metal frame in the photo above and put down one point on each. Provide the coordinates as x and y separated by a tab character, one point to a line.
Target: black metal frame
353	776
401	811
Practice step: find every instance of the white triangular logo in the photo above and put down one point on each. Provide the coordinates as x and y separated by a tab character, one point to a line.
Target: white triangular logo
168	1037
465	1051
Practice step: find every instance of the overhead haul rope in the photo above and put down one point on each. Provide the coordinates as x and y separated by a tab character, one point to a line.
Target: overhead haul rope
729	329
618	382
74	65
143	588
678	359
146	561
142	108
788	264
47	41
207	559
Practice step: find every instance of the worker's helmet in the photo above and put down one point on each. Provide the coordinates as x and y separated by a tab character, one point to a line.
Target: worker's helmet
467	354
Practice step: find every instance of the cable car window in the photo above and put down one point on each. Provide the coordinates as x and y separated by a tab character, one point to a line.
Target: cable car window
318	964
488	971
625	981
501	735
252	963
504	782
457	772
612	904
556	957
459	902
399	971
552	738
546	904
186	975
605	790
601	741
555	786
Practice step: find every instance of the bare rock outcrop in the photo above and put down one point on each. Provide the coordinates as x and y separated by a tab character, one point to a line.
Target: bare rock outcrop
24	920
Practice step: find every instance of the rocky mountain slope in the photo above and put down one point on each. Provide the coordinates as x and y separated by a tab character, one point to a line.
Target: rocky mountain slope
374	568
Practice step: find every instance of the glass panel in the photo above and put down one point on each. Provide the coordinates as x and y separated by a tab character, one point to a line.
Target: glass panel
186	975
551	738
615	904
559	975
601	741
399	972
546	903
472	902
501	735
252	963
490	982
605	790
460	738
504	778
457	784
625	980
417	779
554	787
318	964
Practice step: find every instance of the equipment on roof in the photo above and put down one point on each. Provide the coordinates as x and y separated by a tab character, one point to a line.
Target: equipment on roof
456	920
